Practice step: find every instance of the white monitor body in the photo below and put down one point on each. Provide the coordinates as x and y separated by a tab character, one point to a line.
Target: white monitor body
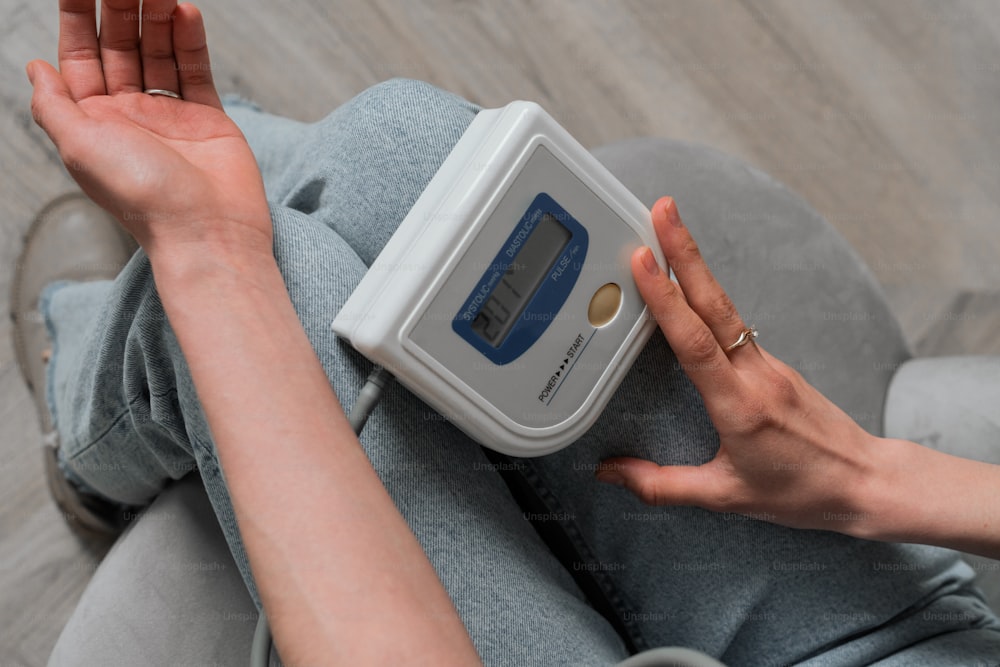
505	299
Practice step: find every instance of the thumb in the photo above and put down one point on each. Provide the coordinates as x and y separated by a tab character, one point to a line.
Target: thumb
662	485
52	104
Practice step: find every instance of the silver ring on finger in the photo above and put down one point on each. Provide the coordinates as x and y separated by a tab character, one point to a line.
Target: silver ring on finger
161	91
747	335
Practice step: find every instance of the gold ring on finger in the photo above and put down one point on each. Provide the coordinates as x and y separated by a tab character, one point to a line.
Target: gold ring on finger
747	335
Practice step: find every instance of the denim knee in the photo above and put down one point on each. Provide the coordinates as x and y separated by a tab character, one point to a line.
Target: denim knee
406	126
363	167
398	108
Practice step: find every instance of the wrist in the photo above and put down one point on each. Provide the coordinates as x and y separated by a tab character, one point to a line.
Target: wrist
185	264
850	485
885	506
181	240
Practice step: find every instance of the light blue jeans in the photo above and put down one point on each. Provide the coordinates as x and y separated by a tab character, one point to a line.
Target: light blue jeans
744	591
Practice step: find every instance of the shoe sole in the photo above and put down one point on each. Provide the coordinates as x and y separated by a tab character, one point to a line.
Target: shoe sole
16	307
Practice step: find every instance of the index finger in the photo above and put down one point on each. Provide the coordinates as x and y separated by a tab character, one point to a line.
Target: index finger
703	292
694	344
79	52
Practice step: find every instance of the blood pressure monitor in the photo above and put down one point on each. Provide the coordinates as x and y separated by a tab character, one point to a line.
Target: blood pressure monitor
505	299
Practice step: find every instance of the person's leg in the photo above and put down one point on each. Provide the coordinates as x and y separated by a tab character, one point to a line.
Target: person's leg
358	162
129	418
738	587
746	591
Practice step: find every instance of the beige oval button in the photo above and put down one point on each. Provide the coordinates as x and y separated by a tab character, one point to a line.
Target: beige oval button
604	304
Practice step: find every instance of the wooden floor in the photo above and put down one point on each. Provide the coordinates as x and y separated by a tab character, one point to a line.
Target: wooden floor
884	115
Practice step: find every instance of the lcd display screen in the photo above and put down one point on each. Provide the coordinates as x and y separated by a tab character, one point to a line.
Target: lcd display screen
522	279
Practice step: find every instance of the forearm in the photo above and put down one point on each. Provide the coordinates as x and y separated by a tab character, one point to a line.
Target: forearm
336	566
928	497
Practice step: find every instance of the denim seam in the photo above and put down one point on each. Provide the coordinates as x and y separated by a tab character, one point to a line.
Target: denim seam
114	422
608	587
917	607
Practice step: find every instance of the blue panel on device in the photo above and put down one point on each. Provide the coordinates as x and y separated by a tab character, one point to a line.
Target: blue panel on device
527	283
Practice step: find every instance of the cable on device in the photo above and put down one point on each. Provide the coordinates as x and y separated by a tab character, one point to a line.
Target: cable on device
371	394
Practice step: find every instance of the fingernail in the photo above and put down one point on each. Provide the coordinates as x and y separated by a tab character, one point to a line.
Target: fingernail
610	477
30	69
649	262
670	210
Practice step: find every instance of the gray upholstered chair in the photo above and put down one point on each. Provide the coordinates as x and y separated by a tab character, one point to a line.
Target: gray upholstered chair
169	592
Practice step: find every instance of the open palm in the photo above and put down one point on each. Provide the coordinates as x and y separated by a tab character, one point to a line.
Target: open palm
172	171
